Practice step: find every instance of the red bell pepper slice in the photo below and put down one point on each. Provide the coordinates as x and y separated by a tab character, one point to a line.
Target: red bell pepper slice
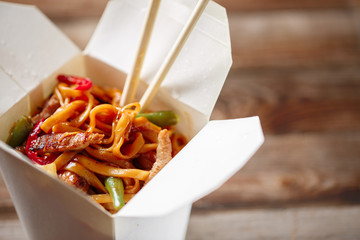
29	147
81	83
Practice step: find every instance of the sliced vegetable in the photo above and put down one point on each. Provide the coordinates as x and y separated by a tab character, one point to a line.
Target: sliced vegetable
81	83
115	188
20	131
29	148
106	198
161	118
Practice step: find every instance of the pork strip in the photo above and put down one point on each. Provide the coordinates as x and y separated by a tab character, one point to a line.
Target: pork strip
50	107
74	180
69	141
163	153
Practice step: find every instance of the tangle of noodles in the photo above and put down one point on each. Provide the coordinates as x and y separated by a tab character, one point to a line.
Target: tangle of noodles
128	147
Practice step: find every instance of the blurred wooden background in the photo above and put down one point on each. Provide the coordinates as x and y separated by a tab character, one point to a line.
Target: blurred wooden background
297	66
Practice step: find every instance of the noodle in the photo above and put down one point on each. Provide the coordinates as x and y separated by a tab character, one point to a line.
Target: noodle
62	114
90	177
63	159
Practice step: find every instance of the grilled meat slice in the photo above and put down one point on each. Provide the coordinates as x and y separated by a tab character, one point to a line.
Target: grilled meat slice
163	153
74	180
50	107
69	141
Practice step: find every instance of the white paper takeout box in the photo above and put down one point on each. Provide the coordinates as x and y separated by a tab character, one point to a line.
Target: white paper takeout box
33	52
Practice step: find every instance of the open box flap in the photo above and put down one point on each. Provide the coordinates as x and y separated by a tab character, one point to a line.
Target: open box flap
218	151
203	63
31	47
10	92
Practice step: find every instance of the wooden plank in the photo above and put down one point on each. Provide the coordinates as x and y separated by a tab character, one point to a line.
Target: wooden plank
10	225
260	5
320	223
5	200
294	38
272	39
294	168
294	99
70	8
259	39
304	223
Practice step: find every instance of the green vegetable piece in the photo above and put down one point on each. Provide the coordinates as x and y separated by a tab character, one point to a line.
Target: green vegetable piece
20	131
115	188
161	118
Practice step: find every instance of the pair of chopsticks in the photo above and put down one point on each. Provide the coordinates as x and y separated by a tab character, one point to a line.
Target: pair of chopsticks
132	79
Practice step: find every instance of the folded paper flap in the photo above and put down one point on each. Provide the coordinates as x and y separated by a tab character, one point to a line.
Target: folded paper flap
10	92
219	150
31	47
203	63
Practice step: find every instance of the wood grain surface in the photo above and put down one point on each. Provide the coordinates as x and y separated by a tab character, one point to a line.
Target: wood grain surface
296	64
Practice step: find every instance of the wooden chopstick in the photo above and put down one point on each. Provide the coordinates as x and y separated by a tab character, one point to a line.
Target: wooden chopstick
174	52
132	79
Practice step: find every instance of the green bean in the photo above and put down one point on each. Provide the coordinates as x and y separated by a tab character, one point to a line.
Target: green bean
115	188
20	131
161	118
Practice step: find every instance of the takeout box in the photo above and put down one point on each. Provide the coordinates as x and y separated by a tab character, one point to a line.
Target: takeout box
33	51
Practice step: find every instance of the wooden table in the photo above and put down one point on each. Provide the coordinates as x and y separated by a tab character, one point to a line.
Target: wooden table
296	65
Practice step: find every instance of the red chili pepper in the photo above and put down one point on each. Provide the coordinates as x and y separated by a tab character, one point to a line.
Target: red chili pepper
82	83
29	148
